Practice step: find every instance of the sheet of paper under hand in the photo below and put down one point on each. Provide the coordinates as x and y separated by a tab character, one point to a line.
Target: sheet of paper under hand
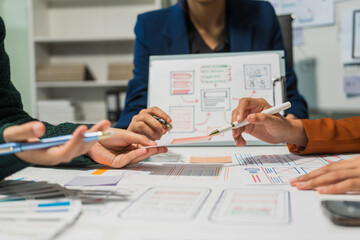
94	180
166	142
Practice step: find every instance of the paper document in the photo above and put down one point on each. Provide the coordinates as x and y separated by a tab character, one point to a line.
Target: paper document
35	210
260	206
201	90
94	180
165	203
226	159
278	169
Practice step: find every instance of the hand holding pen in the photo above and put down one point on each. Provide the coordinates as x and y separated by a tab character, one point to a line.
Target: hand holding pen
32	131
152	127
268	127
114	147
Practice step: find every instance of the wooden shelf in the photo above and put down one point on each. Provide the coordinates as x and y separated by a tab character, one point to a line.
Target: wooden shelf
83	84
53	40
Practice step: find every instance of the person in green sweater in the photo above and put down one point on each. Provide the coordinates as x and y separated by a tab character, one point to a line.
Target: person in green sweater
121	149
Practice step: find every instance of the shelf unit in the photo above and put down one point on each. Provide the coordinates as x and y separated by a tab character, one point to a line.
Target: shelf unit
91	32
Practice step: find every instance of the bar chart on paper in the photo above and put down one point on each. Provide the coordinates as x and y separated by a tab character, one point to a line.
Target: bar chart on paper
279	169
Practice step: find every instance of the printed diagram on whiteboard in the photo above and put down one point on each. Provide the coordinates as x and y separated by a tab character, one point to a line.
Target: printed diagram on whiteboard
183	119
215	74
215	100
182	83
257	77
201	92
199	112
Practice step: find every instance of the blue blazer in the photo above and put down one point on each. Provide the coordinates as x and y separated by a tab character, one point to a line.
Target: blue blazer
253	26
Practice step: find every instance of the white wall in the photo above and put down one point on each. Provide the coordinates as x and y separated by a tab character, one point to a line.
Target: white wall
323	44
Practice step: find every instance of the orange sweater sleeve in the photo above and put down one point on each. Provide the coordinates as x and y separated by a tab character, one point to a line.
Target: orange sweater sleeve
330	136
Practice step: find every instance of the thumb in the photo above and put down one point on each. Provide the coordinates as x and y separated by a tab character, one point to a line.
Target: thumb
24	132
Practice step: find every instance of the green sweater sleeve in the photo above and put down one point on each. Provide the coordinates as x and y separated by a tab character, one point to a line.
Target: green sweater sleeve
12	113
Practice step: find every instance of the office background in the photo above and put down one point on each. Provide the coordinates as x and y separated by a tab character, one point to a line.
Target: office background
41	31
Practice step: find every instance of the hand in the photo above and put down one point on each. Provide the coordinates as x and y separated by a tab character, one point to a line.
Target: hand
32	131
269	128
123	148
334	178
291	117
145	124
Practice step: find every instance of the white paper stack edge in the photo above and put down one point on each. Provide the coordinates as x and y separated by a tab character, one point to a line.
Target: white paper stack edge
56	111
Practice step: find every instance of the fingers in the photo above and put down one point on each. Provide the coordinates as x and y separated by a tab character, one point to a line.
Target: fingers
151	152
291	117
263	119
24	132
346	164
150	122
340	177
239	140
159	113
349	185
145	123
122	138
249	105
328	178
70	149
58	154
135	156
100	126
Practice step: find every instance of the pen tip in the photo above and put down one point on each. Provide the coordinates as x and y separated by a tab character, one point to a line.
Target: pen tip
214	133
106	135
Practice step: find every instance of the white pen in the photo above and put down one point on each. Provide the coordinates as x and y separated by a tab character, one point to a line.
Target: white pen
235	125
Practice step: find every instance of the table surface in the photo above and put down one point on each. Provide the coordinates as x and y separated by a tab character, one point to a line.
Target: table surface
101	221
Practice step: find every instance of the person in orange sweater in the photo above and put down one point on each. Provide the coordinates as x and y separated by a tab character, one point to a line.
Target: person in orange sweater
306	137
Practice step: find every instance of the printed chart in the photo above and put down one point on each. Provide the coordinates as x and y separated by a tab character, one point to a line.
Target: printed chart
286	160
173	172
35	210
278	169
165	203
249	206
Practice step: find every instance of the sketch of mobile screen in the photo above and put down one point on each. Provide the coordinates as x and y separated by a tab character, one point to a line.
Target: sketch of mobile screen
356	35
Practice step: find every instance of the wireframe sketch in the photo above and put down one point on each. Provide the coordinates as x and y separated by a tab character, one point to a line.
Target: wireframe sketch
167	203
252	206
257	77
215	73
215	99
183	119
182	83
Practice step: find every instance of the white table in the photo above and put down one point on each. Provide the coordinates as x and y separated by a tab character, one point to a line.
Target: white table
307	218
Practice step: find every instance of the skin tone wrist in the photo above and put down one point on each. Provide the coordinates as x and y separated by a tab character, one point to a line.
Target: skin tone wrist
297	134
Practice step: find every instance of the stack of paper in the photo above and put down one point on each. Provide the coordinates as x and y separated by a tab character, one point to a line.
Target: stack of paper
35	210
56	111
120	71
60	72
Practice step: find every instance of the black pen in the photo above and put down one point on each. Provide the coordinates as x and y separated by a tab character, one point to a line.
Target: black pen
164	123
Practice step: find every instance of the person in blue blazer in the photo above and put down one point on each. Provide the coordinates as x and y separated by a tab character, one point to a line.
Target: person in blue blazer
200	26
